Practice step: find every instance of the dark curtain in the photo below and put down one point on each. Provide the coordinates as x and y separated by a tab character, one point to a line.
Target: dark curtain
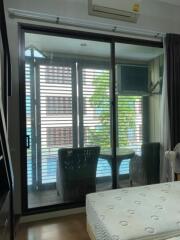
173	84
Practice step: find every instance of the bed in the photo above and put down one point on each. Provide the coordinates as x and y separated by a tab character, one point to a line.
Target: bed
139	213
174	238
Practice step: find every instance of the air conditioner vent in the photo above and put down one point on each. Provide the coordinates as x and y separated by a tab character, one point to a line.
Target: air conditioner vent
112	12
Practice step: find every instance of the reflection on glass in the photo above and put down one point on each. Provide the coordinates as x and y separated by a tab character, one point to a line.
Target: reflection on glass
67	105
138	94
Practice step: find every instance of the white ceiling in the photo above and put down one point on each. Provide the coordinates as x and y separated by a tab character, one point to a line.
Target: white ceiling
173	2
86	48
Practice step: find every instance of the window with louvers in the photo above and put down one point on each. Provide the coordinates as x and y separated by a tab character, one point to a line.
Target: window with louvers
58	105
96	112
55	74
56	121
96	117
129	126
59	136
56	116
28	76
130	122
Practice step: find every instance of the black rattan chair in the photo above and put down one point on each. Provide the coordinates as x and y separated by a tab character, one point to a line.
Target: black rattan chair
76	173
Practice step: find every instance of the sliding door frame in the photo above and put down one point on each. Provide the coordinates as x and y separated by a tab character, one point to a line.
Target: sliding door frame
75	34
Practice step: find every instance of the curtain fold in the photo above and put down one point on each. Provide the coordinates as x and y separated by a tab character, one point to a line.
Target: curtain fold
170	108
173	86
164	122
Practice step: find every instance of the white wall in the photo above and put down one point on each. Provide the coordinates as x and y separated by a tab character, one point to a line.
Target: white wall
155	16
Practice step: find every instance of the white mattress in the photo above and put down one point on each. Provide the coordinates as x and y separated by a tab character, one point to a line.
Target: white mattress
148	212
174	238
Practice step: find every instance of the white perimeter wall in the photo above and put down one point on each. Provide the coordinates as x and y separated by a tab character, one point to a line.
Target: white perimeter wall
155	16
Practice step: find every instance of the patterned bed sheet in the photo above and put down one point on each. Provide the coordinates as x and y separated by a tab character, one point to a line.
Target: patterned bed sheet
139	213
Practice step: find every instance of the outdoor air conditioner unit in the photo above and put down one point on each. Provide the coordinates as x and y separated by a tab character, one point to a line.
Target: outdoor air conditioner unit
124	10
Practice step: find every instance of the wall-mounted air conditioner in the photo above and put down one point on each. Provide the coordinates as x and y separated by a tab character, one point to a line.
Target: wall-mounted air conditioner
124	10
132	79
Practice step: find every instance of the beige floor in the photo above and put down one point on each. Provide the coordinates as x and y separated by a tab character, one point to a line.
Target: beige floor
65	228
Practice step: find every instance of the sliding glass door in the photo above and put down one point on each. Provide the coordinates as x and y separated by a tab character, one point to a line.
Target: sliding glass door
70	102
138	96
48	97
67	105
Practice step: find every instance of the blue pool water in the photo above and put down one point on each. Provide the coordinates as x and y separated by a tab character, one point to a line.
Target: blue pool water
49	169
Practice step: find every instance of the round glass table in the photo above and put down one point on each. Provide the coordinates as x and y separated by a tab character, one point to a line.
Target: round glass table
121	154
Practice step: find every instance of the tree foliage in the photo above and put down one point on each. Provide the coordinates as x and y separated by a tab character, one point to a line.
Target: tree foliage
100	102
126	111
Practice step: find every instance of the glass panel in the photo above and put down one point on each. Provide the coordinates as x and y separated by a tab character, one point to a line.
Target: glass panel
28	76
56	123
67	105
96	118
138	95
32	52
28	53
